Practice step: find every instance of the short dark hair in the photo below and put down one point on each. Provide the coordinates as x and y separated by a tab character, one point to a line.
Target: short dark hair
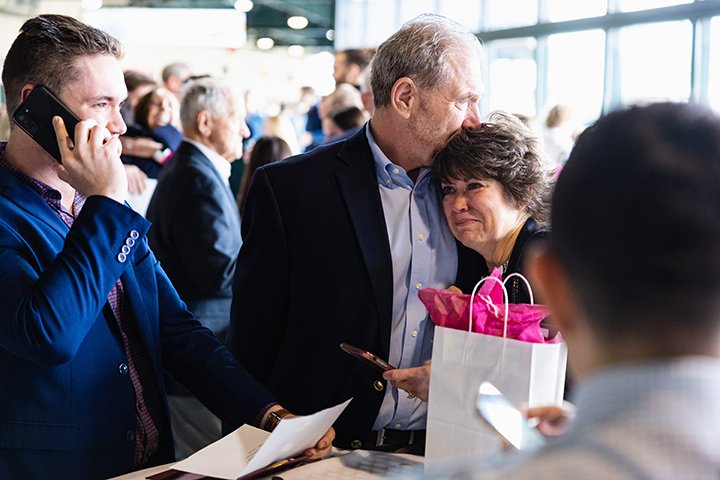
505	150
636	223
135	79
45	52
348	118
358	56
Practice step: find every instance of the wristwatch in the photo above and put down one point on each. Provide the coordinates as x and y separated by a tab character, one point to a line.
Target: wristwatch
274	418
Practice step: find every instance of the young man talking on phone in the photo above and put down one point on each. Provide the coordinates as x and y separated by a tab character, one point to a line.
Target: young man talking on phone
88	319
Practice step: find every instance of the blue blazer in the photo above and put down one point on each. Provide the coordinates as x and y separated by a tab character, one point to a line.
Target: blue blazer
315	270
66	401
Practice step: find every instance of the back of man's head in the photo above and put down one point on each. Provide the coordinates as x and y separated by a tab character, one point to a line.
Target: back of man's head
420	50
636	224
45	52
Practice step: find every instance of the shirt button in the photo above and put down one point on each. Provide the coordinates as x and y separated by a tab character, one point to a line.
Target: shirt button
418	285
123	369
125	249
129	242
356	444
378	385
134	234
130	435
414	333
421	237
121	257
396	171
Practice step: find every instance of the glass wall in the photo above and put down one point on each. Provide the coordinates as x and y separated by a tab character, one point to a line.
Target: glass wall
592	55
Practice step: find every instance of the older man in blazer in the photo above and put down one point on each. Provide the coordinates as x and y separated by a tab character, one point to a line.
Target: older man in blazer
338	241
196	230
88	319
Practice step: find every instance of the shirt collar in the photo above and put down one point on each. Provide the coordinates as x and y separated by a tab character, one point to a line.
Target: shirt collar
390	175
220	163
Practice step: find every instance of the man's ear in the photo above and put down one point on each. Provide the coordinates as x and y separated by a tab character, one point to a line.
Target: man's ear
25	91
554	287
204	123
403	96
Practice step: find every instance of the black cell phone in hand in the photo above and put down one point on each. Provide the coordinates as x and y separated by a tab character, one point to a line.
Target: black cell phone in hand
35	114
370	359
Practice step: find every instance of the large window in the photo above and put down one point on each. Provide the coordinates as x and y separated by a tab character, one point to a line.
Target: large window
594	55
655	61
513	76
561	10
575	73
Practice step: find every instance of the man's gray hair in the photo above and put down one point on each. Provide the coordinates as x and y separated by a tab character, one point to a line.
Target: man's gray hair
211	94
420	51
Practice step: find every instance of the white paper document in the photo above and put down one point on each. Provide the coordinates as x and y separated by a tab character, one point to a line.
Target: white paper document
248	448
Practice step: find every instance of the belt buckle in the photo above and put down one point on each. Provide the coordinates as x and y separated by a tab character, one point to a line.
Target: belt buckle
380	440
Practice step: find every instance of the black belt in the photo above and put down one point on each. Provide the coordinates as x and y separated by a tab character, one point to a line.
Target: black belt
389	440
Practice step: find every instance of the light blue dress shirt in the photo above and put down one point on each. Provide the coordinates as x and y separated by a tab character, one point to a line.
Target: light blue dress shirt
424	254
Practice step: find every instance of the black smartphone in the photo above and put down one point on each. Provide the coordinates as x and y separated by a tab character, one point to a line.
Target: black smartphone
506	420
370	359
35	114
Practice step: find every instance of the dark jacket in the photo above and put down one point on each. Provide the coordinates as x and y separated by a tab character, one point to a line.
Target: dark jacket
315	270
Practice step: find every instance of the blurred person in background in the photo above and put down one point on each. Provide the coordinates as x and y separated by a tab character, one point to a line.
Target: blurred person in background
196	231
343	123
174	75
151	141
350	64
265	150
138	85
558	135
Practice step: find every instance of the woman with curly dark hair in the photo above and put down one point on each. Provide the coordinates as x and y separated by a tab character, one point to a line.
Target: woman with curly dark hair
496	195
496	198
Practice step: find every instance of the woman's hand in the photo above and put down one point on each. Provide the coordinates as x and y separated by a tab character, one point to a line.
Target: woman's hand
415	381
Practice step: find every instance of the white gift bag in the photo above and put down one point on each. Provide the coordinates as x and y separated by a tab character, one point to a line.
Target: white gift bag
532	374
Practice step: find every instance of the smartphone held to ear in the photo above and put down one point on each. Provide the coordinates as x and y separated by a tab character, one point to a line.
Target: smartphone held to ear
35	114
506	420
368	358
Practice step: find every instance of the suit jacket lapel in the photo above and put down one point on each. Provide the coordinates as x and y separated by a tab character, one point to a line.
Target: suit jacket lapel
359	187
15	190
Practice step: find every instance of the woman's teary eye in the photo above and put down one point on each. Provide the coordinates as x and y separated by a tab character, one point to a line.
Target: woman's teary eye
447	190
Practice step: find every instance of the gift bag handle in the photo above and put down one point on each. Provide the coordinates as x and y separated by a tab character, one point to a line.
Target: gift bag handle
505	298
527	284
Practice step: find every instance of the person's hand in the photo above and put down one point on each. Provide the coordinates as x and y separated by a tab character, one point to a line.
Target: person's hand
137	180
323	447
454	289
553	421
140	146
92	164
415	381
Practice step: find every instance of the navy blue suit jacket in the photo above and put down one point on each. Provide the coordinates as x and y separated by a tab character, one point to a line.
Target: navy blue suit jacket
66	402
315	270
196	234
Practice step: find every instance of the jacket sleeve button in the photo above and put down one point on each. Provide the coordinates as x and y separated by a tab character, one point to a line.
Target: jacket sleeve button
356	444
378	385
